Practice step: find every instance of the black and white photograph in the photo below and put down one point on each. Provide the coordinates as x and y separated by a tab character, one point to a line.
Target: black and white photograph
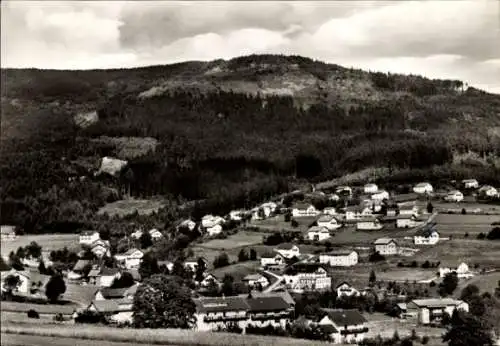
236	173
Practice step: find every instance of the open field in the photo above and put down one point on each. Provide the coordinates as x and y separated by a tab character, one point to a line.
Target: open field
486	283
35	340
40	308
127	207
277	223
385	273
82	295
238	240
48	242
458	225
238	270
150	336
480	208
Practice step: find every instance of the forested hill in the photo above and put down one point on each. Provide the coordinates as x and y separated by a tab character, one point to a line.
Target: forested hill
232	131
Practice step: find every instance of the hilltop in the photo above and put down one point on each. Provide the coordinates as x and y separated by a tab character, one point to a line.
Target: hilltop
230	131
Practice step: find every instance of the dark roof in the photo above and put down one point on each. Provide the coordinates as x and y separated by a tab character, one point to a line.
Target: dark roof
343	318
87	233
301	205
328	328
111	306
109	271
80	265
427	230
264	304
221	304
285	246
270	255
303	268
339	252
114	293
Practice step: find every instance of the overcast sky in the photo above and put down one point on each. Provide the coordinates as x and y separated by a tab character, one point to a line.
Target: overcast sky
438	39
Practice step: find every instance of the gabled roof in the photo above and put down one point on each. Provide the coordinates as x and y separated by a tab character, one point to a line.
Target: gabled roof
343	318
87	233
426	231
130	252
318	229
270	255
328	328
354	208
405	216
367	219
285	246
344	283
221	304
436	302
423	184
253	277
94	273
301	205
339	252
265	304
383	241
326	218
109	271
115	293
285	295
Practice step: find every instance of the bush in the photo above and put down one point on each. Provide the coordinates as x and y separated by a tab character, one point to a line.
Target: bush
425	340
494	234
464	211
376	257
59	317
294	223
33	314
88	316
481	236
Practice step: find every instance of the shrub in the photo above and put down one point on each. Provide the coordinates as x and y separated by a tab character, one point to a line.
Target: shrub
294	223
481	236
59	317
494	234
425	340
464	211
33	314
88	316
466	235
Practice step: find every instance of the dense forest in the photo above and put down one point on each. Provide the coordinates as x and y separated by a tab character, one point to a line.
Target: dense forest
223	137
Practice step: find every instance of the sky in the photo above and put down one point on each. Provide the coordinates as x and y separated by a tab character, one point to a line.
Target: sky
434	38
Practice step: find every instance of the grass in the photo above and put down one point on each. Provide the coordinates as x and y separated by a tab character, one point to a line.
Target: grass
238	240
82	295
129	147
152	336
277	223
40	308
127	207
450	224
48	242
485	283
238	270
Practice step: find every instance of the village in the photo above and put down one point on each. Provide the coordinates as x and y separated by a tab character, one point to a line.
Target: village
384	262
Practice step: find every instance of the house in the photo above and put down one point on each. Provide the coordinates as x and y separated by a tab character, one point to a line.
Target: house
103	277
137	234
167	264
386	246
100	248
346	290
117	310
209	221
357	212
431	311
343	190
111	166
329	211
423	188
470	183
187	224
334	197
116	293
78	269
380	195
7	232
427	235
269	311
487	190
318	233
401	310
370	188
214	230
192	263
214	313
269	208
130	259
256	280
30	282
454	196
339	258
304	209
329	222
462	271
88	237
236	215
307	277
368	224
272	259
209	280
407	221
344	326
408	209
288	250
391	210
155	234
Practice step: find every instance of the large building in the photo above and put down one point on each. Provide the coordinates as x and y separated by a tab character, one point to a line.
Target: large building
431	311
427	235
307	277
339	258
344	326
386	246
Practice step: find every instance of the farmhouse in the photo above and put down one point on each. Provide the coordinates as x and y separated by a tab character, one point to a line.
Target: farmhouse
209	221
344	326
88	237
7	232
269	208
386	246
303	210
462	270
155	234
288	250
272	259
269	310
192	263
408	209
339	258
370	188
307	277
100	248
30	282
470	183
111	166
427	235
346	290
118	310
329	222
80	266
406	221
130	259
187	224
214	230
343	190
318	233
430	311
391	210
380	195
356	212
116	293
368	224
330	211
423	188
454	196
103	277
256	280
487	190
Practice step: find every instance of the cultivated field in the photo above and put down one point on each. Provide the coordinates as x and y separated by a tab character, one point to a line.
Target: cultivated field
48	242
458	225
127	207
238	240
480	208
40	308
238	270
277	223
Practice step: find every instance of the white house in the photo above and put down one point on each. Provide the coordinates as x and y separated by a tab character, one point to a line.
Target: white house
155	234
254	280
344	326
357	212
343	190
318	233
304	209
346	290
488	190
236	215
380	195
330	211
29	281
334	197
8	232
214	230
130	259
430	311
209	221
288	250
307	277
427	235
454	196
386	246
408	209
422	188
339	258
88	237
188	224
470	183
269	208
100	248
370	188
271	259
368	224
111	166
103	277
209	280
192	263
329	222
137	234
406	221
462	271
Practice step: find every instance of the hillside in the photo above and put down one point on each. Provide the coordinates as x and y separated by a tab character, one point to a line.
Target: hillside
231	132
